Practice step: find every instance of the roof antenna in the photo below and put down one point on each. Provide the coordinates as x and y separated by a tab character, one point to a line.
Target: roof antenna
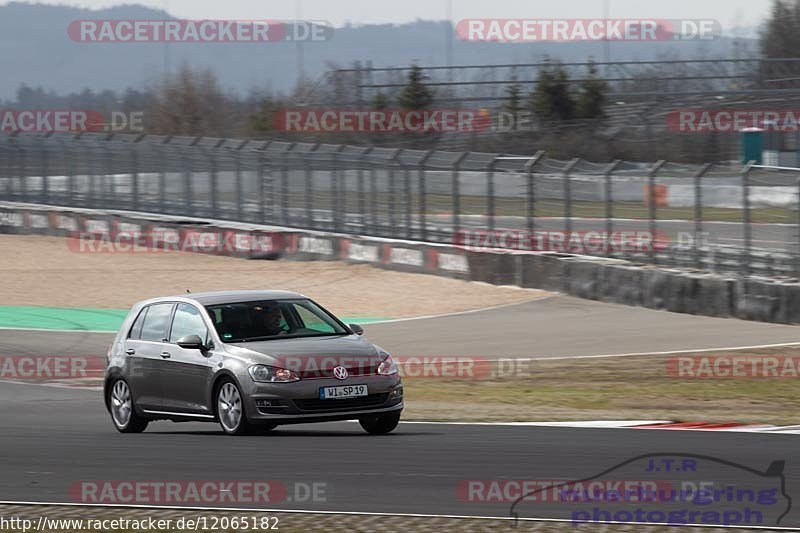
188	291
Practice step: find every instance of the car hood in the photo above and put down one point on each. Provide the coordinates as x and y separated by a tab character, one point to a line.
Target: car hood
313	357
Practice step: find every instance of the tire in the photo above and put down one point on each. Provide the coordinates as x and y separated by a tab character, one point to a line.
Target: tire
123	411
380	424
230	409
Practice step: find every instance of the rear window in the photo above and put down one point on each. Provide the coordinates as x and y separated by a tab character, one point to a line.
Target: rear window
136	329
155	323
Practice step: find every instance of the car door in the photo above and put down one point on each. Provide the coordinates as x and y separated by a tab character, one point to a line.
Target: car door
143	348
186	374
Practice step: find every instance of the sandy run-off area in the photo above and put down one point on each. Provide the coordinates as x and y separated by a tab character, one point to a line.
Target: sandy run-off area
44	271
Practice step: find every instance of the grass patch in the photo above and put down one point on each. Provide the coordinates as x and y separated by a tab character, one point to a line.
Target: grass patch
629	388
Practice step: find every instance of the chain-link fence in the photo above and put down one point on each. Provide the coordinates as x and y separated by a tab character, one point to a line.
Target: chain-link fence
710	217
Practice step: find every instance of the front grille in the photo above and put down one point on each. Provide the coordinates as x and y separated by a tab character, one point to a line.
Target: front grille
327	373
344	404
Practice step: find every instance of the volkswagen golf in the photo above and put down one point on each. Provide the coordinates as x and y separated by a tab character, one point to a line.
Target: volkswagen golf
250	360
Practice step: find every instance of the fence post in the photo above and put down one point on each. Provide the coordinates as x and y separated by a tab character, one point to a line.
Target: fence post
109	184
284	194
408	203
187	180
308	197
162	175
456	176
746	208
45	193
339	213
490	200
262	201
362	204
423	192
608	173
698	213
237	154
66	149
214	184
531	196
94	191
565	176
652	212
11	164
135	177
797	255
22	170
392	193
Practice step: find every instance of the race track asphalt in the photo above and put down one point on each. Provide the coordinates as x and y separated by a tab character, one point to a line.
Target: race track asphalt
558	326
53	438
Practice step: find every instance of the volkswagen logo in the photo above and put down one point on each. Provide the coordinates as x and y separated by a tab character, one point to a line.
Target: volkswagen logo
340	372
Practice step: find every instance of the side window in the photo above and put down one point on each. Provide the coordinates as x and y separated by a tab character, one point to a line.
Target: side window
155	323
312	321
136	329
187	321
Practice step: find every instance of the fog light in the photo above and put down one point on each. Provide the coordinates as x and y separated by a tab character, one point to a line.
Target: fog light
396	393
266	403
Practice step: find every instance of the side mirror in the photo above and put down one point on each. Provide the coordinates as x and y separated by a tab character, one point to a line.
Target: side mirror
355	328
191	342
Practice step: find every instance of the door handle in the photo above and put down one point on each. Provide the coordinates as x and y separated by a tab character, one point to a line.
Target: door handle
166	355
130	351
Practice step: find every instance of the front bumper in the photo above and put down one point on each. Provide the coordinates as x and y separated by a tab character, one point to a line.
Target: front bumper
300	402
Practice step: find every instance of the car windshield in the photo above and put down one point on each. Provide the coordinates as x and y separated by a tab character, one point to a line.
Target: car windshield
273	319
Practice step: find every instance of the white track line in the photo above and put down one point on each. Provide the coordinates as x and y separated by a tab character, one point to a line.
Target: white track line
626	424
471	311
108	332
356	513
52	385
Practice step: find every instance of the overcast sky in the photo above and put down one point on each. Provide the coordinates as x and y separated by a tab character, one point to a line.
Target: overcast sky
731	13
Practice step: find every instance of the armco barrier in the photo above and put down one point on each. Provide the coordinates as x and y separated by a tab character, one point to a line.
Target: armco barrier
609	280
621	284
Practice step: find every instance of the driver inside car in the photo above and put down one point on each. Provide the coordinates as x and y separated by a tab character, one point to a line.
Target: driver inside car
267	321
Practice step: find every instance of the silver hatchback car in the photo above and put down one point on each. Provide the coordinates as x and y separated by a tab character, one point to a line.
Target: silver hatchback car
251	360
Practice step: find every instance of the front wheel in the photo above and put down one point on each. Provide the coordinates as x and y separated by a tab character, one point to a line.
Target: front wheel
123	413
230	410
380	424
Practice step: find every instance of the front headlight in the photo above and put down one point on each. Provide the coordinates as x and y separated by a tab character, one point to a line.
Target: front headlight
270	374
387	367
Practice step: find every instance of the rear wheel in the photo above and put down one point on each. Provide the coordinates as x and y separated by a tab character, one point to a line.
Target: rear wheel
123	413
380	424
230	410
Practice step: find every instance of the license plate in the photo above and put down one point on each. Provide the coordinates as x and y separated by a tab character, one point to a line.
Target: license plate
340	393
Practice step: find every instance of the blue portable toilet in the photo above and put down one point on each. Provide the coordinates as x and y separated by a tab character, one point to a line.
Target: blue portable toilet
753	145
